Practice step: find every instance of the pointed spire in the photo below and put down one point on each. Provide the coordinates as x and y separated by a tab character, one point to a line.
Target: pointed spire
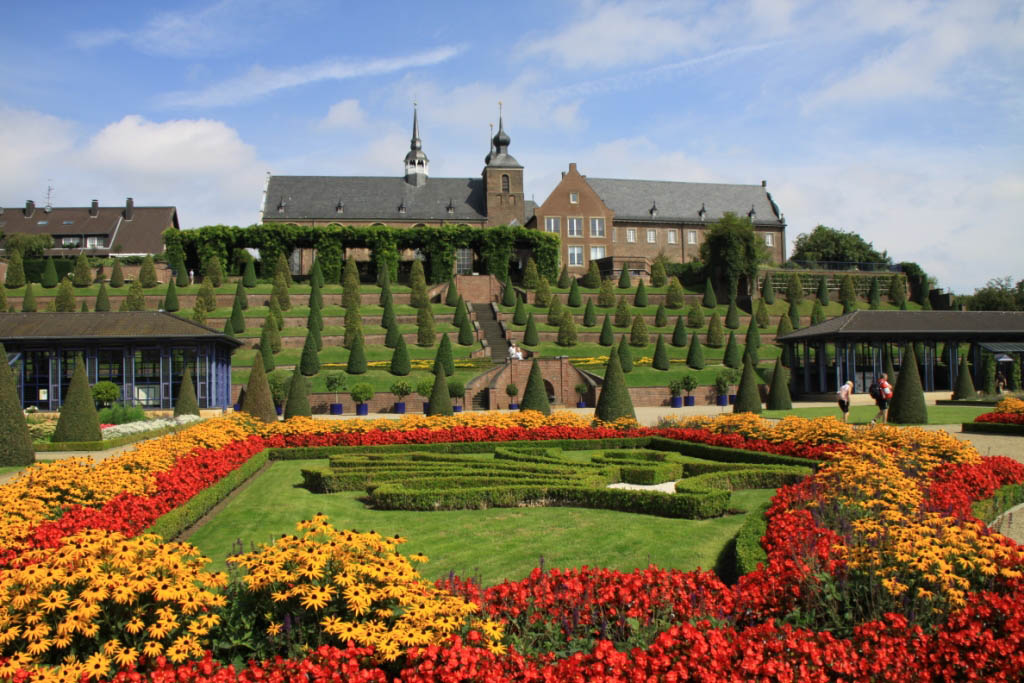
416	143
417	166
501	141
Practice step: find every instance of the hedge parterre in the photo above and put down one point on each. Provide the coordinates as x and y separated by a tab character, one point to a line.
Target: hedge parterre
877	569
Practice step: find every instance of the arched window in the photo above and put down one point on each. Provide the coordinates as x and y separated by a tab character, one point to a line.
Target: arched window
504	182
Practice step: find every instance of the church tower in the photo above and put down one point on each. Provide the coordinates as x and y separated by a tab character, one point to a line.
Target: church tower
417	165
503	182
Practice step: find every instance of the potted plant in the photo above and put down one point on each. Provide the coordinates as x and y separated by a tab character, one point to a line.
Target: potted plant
676	388
581	390
401	389
723	380
456	389
104	393
424	389
689	383
279	383
513	391
335	382
361	393
734	379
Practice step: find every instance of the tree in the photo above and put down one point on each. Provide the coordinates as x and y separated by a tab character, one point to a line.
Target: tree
778	391
695	317
674	297
445	356
606	294
83	272
117	275
530	337
563	277
731	250
908	405
49	276
542	294
136	300
768	290
825	244
823	291
847	292
625	355
297	404
147	273
270	334
732	316
567	331
660	360
753	340
640	299
998	294
206	298
535	396
988	373
622	313
710	300
182	277
279	293
27	246
556	312
170	298
592	279
387	318
65	299
400	359
451	297
78	419
614	401
624	281
606	338
16	446
467	336
310	361
237	318
817	313
897	291
281	267
748	397
964	384
213	271
186	403
103	299
761	314
508	295
638	335
15	270
574	299
316	296
392	336
385	289
519	315
695	357
716	335
658	275
531	278
590	314
660	316
248	275
258	401
795	289
794	316
357	356
679	333
440	399
732	358
425	335
28	301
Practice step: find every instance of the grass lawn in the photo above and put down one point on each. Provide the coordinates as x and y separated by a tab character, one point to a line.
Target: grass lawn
937	415
492	544
380	380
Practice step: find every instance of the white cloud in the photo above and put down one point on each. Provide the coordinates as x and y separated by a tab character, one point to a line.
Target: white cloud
344	114
260	81
33	144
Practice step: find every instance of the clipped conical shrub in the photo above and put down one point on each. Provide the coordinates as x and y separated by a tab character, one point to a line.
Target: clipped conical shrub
314	324
508	294
248	275
310	361
614	401
606	294
592	279
400	359
78	419
117	275
794	316
281	267
83	273
748	398
778	392
695	356
228	329
590	314
574	299
674	296
732	357
679	333
622	313
49	277
768	290
716	335
445	356
542	295
418	285
136	299
531	277
15	270
784	327
908	404
353	326
147	273
640	298
624	281
875	295
658	275
710	300
425	335
897	291
660	316
170	298
519	315
275	310
279	293
266	348
451	297
16	445
28	301
387	316
64	302
258	401
535	396
567	331
964	384
530	337
103	299
392	336
695	317
556	312
297	403
467	335
206	297
273	335
237	318
660	361
3	300
732	316
847	293
638	335
625	355
385	290
795	289
213	271
186	404
753	340
440	399
357	356
182	278
761	314
823	291
817	313
563	277
606	338
988	373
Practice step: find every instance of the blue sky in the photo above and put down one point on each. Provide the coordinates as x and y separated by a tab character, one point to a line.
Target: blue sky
901	121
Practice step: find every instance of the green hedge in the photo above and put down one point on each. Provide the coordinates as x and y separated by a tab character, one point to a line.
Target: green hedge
49	447
747	550
172	524
768	477
993	428
724	454
322	452
1002	500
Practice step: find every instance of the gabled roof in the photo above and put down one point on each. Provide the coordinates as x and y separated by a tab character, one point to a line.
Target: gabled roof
682	202
371	198
916	326
105	326
140	235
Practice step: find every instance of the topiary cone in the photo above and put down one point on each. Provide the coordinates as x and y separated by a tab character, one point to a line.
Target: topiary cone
660	361
535	397
78	419
258	401
357	355
606	338
614	401
748	398
16	445
964	384
778	392
695	357
186	403
309	363
297	403
400	364
908	404
440	399
170	299
625	356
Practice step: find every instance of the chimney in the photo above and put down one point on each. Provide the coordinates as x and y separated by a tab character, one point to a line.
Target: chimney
572	167
764	183
30	208
129	209
94	210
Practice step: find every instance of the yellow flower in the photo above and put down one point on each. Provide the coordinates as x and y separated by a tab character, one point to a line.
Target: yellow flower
96	666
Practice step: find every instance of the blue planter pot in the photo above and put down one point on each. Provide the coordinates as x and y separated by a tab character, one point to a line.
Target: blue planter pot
426	407
362	409
689	400
279	409
677	401
400	407
513	406
723	400
237	407
456	409
337	409
732	399
581	404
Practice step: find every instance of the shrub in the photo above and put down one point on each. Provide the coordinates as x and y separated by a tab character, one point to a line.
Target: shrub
83	273
622	313
606	338
467	335
117	275
49	277
440	399
119	414
530	337
732	316
542	294
248	274
590	314
213	271
817	313
695	357
732	358
310	361
624	281
456	389
640	298
297	403
275	308
778	392
237	318
271	333
658	273
519	315
460	312
335	382
267	345
105	392
385	289
785	327
761	314
182	278
3	301
102	299
206	297
695	317
795	290
400	359
15	270
508	294
147	273
875	295
674	296
638	335
400	389
567	331
535	396
136	300
753	340
78	420
606	294
710	300
614	401
186	403
357	356
362	392
794	316
64	302
170	298
847	293
451	296
748	398
679	333
908	405
716	335
823	290
660	361
16	446
316	295
563	277
768	290
511	390
625	355
556	312
353	327
897	291
281	268
660	316
228	329
425	335
988	373
279	293
531	278
964	384
279	383
574	299
445	356
424	387
592	279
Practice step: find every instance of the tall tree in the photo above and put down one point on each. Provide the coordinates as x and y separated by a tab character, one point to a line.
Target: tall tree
83	272
731	250
829	244
16	445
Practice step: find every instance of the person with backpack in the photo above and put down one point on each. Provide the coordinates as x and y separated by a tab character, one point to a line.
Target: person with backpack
881	391
843	396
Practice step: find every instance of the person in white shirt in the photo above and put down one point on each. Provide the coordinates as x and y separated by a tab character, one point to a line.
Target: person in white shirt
511	350
843	397
519	353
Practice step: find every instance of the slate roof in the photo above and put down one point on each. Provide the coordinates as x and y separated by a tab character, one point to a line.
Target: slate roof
916	326
140	235
105	326
292	198
681	202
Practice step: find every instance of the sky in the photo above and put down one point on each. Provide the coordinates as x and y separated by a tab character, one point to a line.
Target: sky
902	121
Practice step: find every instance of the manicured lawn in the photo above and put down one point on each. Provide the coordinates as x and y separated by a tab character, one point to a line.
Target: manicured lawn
937	415
488	544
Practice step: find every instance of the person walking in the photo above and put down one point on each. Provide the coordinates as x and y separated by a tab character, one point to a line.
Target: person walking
882	393
843	397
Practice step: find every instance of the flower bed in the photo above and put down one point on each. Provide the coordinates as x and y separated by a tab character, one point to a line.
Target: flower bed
876	569
1007	419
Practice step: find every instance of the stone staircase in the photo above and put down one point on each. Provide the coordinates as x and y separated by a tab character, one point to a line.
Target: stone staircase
492	332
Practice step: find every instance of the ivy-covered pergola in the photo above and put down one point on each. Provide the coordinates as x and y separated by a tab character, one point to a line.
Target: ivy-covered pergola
861	339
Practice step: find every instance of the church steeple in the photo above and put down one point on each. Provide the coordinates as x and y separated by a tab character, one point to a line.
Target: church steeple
417	165
499	155
503	181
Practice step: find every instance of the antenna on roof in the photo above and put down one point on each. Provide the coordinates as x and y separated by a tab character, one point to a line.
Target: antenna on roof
49	194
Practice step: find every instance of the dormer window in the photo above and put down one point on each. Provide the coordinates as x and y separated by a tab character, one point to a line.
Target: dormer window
574	197
401	208
451	207
752	214
703	212
654	210
280	205
339	207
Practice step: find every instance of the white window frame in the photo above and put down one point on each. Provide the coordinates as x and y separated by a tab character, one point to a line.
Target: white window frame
553	224
597	228
576	252
574	226
652	236
672	237
95	242
574	197
71	242
597	253
631	235
769	239
691	237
